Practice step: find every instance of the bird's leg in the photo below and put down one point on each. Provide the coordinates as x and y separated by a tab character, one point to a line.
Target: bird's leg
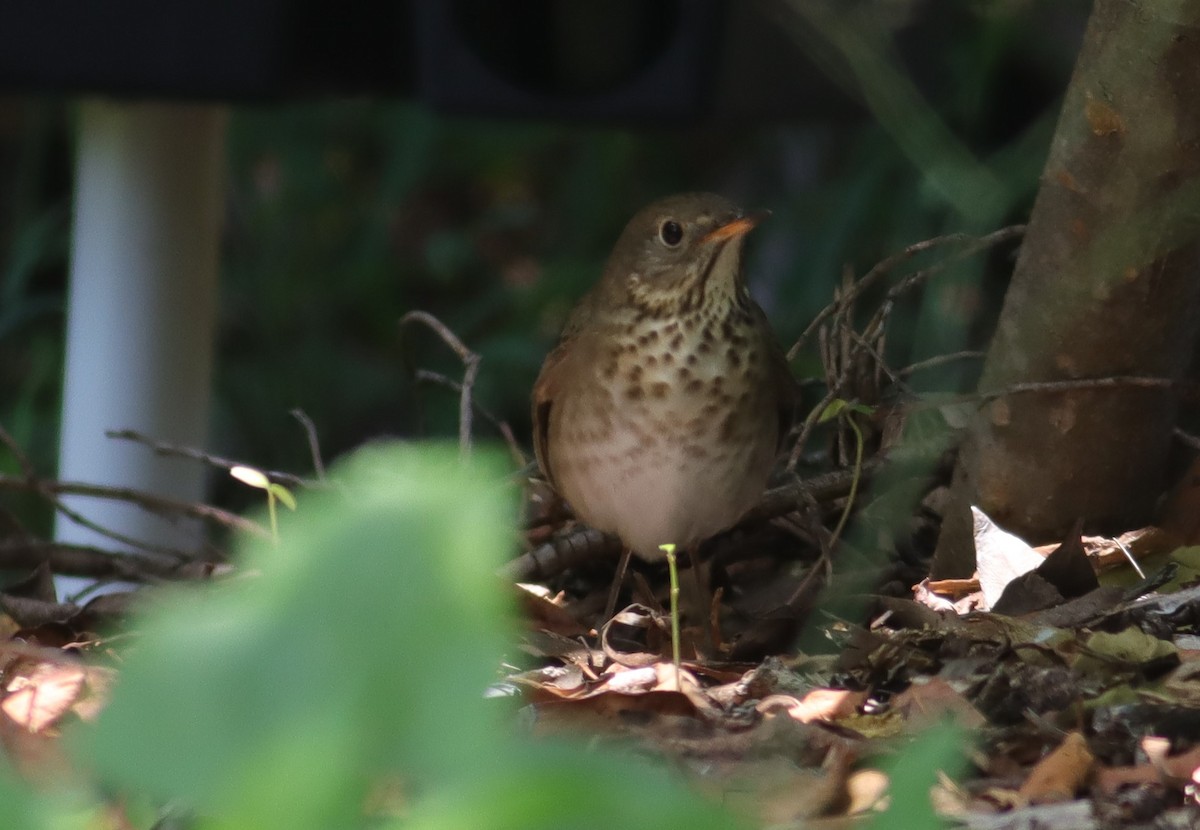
610	607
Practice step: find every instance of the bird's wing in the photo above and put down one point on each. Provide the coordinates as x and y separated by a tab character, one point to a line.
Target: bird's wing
544	390
556	366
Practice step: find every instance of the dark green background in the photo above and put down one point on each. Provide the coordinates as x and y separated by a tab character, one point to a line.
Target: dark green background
342	215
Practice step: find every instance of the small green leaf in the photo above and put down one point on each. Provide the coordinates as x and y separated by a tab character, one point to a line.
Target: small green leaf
283	494
833	410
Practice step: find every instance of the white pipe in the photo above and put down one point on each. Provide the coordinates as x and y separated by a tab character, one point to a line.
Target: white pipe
141	308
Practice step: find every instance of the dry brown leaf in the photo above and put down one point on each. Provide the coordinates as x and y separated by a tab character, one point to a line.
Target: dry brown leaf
817	705
545	611
37	756
1061	774
1000	556
953	588
930	701
948	798
97	687
1173	772
867	789
37	698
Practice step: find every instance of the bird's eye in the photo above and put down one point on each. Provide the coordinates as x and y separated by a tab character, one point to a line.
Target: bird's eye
671	233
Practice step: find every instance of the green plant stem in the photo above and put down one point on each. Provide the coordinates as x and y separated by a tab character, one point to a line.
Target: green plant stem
858	457
674	574
274	520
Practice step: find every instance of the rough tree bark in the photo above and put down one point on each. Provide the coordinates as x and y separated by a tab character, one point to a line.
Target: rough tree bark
1107	284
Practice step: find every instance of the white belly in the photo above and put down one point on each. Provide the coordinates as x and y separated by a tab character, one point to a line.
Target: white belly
651	488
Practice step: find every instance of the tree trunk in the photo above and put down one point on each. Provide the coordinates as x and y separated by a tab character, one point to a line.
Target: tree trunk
1106	285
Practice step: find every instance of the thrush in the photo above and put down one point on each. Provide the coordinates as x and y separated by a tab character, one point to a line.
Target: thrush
659	413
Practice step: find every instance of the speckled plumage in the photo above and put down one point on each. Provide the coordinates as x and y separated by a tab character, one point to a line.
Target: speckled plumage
659	413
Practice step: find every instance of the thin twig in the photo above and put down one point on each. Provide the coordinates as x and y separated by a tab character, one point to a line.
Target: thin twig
168	449
972	244
939	360
155	504
471	370
93	562
876	353
809	424
1111	382
514	449
19	454
314	446
1049	386
49	491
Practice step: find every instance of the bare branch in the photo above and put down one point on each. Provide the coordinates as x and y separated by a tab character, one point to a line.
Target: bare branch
155	504
514	449
972	245
22	459
95	563
939	360
168	449
471	363
314	446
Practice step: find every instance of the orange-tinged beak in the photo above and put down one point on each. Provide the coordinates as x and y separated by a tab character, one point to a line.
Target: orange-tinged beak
737	227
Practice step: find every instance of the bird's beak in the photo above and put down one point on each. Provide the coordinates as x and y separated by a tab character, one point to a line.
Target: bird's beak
738	227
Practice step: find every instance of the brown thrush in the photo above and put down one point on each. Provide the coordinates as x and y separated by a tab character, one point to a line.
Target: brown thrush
659	413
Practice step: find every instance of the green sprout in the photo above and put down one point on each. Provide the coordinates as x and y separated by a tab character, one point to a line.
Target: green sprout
258	479
838	407
669	550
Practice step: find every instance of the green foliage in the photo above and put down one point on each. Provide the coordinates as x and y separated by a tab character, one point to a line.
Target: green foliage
354	655
840	407
344	215
62	810
365	643
941	749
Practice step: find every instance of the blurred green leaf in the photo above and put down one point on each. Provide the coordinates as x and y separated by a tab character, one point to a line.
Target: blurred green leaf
940	749
359	650
551	786
363	644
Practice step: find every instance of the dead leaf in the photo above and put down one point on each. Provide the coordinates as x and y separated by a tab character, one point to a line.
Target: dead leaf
1068	568
1000	557
98	683
953	588
867	789
1175	772
1132	648
1061	774
545	612
930	701
817	705
38	698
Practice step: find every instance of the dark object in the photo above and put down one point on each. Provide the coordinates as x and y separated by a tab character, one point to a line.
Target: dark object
628	58
1066	574
615	60
225	49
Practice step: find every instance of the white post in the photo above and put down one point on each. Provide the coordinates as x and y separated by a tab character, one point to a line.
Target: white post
141	308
